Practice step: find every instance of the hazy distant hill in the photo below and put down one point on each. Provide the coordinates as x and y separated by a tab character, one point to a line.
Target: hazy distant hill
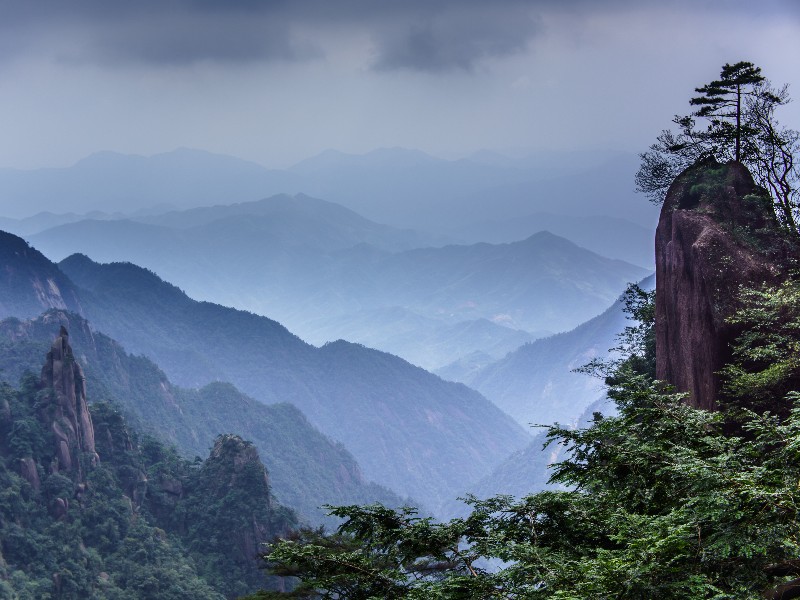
48	220
306	468
408	429
423	341
400	187
536	383
527	471
607	236
543	282
112	182
327	273
409	188
295	220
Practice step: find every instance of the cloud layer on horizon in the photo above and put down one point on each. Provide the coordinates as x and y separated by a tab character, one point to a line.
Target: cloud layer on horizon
276	81
419	35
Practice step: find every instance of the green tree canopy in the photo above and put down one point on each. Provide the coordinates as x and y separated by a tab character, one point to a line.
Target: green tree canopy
721	101
738	110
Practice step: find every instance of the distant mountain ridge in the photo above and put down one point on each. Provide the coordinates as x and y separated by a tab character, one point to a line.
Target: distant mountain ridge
111	182
401	187
318	268
537	383
422	341
410	430
607	236
379	406
278	212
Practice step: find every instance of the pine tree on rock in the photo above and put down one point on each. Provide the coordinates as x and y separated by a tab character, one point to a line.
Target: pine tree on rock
721	102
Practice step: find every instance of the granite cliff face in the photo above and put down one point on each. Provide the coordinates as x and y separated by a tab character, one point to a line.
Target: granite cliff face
31	284
67	410
716	233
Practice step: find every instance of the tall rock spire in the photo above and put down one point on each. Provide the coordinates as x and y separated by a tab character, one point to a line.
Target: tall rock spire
717	232
68	413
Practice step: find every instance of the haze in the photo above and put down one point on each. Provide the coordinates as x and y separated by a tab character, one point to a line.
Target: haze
277	82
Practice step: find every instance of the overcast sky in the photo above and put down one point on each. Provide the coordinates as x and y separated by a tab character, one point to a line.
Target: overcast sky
277	81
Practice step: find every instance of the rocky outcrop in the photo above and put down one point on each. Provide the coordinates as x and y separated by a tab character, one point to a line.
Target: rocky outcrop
66	409
31	284
29	472
717	232
244	472
230	497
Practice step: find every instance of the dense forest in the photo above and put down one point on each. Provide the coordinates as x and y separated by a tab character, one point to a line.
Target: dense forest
128	518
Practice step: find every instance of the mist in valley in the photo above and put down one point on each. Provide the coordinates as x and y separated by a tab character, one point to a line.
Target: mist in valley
378	243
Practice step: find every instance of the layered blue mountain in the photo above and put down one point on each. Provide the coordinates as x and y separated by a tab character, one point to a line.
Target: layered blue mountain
424	341
541	283
327	273
408	429
537	383
308	469
404	188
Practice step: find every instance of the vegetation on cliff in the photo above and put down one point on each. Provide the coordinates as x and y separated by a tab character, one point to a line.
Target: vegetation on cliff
307	469
139	522
663	501
739	110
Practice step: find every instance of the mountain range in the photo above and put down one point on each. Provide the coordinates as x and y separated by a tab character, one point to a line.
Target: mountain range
401	187
537	383
409	430
327	273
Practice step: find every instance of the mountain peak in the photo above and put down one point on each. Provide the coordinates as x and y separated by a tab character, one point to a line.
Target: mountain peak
30	282
65	386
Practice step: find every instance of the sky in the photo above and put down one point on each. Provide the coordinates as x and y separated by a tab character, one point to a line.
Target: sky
276	81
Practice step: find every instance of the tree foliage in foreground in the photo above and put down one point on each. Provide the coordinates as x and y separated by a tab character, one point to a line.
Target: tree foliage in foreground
739	115
663	502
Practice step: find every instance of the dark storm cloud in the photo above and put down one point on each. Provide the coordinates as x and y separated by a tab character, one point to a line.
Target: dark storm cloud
456	38
152	32
415	34
424	35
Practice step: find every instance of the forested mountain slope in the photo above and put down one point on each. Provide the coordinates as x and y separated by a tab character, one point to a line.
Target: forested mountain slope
378	405
92	509
371	400
307	469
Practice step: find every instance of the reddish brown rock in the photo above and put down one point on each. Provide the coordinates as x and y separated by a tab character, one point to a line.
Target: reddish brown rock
67	409
717	232
29	472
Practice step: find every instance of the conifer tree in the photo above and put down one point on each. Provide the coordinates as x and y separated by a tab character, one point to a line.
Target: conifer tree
740	110
721	101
